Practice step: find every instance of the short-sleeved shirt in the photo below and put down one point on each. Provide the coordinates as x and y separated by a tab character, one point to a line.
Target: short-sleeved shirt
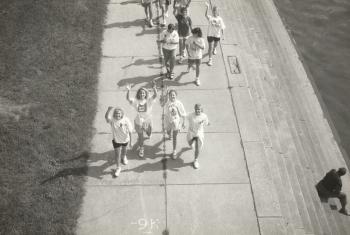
216	24
332	181
173	110
184	25
121	129
169	38
143	108
194	52
197	123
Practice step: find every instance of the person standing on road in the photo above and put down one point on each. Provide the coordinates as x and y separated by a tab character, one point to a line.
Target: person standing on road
195	45
121	132
143	121
174	117
195	135
147	5
215	31
169	39
184	27
330	186
178	4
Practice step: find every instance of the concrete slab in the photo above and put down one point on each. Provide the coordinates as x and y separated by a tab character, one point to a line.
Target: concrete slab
265	194
109	98
272	226
221	161
211	209
123	210
138	171
246	115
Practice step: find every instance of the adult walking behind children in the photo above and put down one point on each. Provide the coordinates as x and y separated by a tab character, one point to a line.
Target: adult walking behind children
195	45
195	135
164	6
174	117
147	5
169	39
143	120
330	186
121	132
184	27
215	31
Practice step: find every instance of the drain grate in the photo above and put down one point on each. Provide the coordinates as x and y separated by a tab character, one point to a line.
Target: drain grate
234	65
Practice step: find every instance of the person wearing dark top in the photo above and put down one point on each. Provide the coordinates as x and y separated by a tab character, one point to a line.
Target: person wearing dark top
330	186
184	28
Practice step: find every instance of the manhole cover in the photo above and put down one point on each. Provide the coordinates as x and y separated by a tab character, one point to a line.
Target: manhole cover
234	65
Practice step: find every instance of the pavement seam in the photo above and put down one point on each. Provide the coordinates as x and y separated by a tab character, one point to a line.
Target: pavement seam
240	135
168	184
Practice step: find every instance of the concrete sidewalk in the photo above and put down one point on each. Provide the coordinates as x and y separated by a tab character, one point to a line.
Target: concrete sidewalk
235	191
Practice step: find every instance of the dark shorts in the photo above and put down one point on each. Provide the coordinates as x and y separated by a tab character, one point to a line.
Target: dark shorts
168	53
146	4
194	61
213	39
117	145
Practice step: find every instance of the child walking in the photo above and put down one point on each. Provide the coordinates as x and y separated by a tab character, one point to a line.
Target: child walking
184	27
174	117
169	38
143	120
195	135
147	5
195	45
121	131
164	6
215	31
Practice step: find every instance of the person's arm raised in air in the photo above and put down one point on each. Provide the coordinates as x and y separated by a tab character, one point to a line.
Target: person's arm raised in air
128	87
206	11
109	114
188	3
155	92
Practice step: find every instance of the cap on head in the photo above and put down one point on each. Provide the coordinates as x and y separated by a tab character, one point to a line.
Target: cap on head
342	171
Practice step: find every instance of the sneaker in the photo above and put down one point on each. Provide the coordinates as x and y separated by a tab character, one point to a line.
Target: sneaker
125	160
151	23
214	51
210	62
172	75
174	154
197	82
117	171
180	60
141	152
196	164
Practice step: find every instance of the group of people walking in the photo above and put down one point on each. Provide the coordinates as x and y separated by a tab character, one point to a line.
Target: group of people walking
175	117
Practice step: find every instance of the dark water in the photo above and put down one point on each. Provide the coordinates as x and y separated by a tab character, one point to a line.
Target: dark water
321	29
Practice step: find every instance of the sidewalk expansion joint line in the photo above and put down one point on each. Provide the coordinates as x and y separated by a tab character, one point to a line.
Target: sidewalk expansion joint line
179	89
125	185
271	216
240	135
199	184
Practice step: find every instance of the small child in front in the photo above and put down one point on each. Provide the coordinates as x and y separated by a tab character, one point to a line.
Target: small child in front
121	131
195	135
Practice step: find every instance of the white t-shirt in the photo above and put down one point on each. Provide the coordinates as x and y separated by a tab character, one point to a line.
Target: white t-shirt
143	108
173	110
170	38
196	123
216	24
121	129
194	52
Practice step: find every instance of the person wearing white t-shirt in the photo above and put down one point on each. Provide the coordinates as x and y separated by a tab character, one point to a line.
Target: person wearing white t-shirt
169	39
215	31
121	132
174	117
195	134
195	45
143	106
